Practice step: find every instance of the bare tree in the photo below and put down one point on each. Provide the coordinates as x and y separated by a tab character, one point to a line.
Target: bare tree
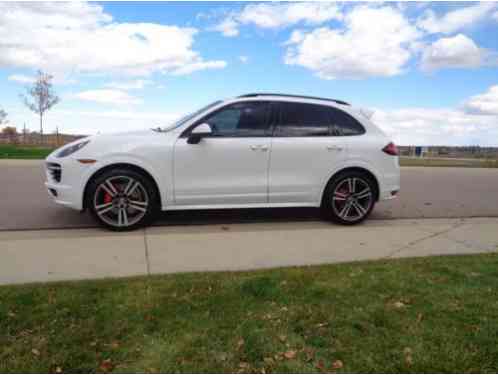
3	117
41	97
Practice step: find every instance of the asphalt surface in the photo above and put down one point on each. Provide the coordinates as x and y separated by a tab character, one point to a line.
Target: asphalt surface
425	193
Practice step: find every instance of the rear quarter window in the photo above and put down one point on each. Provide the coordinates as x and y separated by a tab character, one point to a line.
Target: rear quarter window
343	124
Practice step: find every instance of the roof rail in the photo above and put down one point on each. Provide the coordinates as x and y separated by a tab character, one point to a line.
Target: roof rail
293	96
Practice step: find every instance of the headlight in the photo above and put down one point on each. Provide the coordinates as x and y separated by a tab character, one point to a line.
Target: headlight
71	149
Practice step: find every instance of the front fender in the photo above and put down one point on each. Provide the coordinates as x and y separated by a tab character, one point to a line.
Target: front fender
133	160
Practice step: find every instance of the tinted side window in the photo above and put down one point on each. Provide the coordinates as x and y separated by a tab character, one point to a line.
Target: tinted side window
344	124
303	120
240	120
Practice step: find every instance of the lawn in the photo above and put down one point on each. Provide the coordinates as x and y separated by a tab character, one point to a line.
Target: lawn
20	152
436	314
446	162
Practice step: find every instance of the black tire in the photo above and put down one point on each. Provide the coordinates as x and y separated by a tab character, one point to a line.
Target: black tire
145	209
334	199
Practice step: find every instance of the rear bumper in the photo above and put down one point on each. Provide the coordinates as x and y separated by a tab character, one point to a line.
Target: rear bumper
390	186
386	195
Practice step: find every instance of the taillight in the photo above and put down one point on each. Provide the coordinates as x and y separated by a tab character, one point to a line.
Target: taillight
391	149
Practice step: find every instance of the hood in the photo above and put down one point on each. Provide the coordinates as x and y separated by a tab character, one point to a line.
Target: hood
120	137
132	133
100	144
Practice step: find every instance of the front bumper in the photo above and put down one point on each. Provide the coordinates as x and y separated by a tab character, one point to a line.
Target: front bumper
64	195
68	189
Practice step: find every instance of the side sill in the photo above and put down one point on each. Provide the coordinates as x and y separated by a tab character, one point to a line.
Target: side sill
240	206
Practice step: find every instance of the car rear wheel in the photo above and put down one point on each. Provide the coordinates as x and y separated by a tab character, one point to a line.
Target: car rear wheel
349	198
122	199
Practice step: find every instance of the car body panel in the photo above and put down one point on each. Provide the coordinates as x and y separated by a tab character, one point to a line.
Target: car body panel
221	170
298	165
227	172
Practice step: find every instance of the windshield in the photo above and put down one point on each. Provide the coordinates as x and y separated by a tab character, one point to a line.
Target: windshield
190	116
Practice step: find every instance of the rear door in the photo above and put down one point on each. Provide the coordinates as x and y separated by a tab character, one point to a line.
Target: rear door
305	149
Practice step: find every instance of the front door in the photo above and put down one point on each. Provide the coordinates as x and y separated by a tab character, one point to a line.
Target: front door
230	166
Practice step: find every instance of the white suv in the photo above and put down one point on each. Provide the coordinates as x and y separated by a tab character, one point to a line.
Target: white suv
256	150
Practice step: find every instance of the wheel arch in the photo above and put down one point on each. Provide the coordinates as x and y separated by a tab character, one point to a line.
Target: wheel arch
362	170
125	165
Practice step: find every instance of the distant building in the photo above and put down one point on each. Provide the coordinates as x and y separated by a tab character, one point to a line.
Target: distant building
450	151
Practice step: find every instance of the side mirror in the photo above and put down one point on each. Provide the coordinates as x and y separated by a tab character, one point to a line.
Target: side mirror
200	131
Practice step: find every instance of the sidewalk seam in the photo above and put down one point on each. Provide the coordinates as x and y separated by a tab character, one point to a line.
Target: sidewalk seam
433	235
146	248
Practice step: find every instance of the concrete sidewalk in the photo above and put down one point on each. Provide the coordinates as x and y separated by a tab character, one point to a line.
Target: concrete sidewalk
50	255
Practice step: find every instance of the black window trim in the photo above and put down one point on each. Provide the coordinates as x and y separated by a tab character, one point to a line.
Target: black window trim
269	117
273	119
329	108
279	116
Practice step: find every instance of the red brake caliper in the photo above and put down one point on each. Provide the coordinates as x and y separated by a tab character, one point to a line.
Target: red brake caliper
107	198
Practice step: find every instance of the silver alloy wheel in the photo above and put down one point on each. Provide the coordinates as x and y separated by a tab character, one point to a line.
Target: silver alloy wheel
121	201
352	199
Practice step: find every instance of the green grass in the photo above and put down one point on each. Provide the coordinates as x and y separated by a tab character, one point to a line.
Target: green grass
436	314
439	162
20	152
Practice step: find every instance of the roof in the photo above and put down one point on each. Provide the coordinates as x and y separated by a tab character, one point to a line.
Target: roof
293	96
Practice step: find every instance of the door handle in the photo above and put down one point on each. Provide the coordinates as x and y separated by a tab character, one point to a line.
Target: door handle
334	148
259	147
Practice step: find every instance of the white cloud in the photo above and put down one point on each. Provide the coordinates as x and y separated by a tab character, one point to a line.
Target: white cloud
200	65
476	123
425	126
129	85
243	59
228	27
495	15
274	15
60	79
359	50
277	15
455	20
81	37
108	96
92	121
485	104
296	37
21	78
453	52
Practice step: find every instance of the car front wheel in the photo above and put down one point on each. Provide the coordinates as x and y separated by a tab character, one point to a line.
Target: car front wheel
122	199
349	198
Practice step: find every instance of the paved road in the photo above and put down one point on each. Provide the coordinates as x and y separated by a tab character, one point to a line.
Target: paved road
425	193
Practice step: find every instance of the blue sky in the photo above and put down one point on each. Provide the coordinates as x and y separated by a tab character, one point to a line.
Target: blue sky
429	70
